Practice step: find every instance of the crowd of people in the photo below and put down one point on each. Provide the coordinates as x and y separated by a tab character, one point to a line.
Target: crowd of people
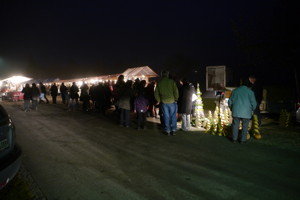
167	100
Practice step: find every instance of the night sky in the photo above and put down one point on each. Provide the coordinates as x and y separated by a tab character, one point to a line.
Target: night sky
68	39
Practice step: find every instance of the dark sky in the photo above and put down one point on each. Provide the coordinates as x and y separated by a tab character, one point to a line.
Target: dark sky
65	39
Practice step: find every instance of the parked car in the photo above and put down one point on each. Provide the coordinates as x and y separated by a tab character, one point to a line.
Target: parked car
298	113
10	152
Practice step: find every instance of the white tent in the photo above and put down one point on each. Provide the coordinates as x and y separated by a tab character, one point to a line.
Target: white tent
144	72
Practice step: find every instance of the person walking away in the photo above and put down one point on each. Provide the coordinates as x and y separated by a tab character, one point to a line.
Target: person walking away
186	102
258	92
27	97
63	92
140	106
35	94
166	92
43	92
73	95
241	103
124	103
54	92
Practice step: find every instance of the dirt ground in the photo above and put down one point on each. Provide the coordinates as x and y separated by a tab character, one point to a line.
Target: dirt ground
79	155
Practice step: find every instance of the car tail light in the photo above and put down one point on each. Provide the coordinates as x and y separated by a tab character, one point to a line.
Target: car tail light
4	183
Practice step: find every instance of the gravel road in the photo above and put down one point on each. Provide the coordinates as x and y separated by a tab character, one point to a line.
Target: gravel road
77	155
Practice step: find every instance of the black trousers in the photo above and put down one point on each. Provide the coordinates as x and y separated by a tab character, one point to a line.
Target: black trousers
141	119
54	99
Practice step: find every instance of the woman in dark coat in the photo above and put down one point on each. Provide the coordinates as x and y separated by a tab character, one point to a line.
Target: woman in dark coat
185	108
124	103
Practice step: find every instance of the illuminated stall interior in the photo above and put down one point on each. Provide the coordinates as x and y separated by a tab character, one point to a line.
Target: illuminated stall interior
14	83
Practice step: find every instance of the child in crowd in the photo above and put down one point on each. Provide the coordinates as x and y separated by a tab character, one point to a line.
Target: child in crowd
141	104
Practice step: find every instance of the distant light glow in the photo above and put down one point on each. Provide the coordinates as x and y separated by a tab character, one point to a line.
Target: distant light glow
79	83
17	79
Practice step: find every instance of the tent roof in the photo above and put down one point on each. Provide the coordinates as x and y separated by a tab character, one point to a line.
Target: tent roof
48	80
17	79
139	71
128	73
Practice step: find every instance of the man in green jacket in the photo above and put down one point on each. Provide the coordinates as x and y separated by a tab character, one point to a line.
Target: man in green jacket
166	93
242	103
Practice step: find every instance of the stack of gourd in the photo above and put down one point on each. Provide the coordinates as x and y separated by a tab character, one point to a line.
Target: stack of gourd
285	118
255	128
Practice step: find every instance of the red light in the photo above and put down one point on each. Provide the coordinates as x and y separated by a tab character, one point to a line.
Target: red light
4	183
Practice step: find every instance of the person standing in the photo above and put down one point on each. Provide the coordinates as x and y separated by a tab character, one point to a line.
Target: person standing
27	97
185	105
92	94
241	103
258	92
152	110
64	92
35	94
54	92
166	93
126	93
140	105
84	97
43	92
73	95
118	87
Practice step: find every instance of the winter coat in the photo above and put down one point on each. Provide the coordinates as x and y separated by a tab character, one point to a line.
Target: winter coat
166	91
74	92
27	93
258	92
117	90
242	102
43	89
35	92
63	89
54	90
185	99
141	103
125	96
150	93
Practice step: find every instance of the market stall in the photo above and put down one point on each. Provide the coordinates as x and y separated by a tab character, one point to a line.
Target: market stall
11	88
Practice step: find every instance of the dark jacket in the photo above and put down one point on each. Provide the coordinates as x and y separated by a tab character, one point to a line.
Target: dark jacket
43	89
63	89
35	93
185	98
141	103
258	92
27	93
74	92
54	90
